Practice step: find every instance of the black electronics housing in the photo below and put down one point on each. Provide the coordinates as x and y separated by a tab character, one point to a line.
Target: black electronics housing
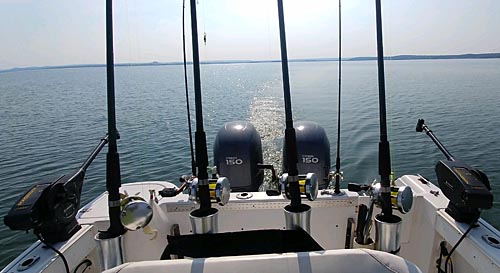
50	207
467	188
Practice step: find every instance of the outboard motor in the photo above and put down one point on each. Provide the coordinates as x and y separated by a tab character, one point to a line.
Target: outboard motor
313	151
237	151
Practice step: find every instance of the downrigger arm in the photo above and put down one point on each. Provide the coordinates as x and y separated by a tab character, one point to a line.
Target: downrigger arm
50	206
467	188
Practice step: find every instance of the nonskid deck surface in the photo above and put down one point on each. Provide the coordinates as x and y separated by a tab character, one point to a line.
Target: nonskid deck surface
423	229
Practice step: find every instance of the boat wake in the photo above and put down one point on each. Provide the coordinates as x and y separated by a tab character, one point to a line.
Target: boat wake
267	115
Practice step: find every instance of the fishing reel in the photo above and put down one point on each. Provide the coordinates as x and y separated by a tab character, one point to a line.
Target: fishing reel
308	186
136	213
220	190
401	197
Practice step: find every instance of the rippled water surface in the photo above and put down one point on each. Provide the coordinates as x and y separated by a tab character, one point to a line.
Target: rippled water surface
52	119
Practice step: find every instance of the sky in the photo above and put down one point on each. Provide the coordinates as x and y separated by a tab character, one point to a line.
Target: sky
62	32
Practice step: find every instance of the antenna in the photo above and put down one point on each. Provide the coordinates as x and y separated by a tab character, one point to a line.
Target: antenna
200	137
193	162
290	138
384	159
337	174
113	179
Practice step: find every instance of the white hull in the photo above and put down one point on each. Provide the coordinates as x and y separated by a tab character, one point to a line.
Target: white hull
423	229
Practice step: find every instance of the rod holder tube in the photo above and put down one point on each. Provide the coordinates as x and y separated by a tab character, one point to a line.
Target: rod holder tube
369	245
204	221
111	251
298	217
388	233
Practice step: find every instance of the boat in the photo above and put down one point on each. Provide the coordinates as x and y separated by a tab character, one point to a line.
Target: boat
220	222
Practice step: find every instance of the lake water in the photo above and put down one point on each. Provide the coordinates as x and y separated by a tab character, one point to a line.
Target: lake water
52	119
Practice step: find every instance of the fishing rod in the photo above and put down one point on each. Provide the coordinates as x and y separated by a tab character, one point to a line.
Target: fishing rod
200	137
50	207
290	137
338	174
113	179
384	159
193	162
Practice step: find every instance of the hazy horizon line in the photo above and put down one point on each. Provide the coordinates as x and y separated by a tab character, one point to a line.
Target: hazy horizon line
241	61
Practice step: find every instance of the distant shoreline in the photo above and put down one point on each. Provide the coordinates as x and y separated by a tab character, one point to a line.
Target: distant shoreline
353	59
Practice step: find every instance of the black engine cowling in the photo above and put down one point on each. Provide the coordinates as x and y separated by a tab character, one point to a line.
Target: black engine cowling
237	151
313	151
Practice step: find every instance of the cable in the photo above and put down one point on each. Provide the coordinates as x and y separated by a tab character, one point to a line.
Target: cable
455	247
85	262
444	252
56	251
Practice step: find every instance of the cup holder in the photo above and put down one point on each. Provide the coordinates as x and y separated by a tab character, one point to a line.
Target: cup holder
492	241
27	263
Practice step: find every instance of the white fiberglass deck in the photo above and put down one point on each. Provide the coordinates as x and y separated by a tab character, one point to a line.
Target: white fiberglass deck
424	228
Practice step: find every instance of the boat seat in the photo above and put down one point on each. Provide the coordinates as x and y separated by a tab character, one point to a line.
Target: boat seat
340	260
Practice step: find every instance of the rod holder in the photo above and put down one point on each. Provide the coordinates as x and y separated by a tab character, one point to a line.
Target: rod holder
388	233
204	221
298	217
369	245
111	251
